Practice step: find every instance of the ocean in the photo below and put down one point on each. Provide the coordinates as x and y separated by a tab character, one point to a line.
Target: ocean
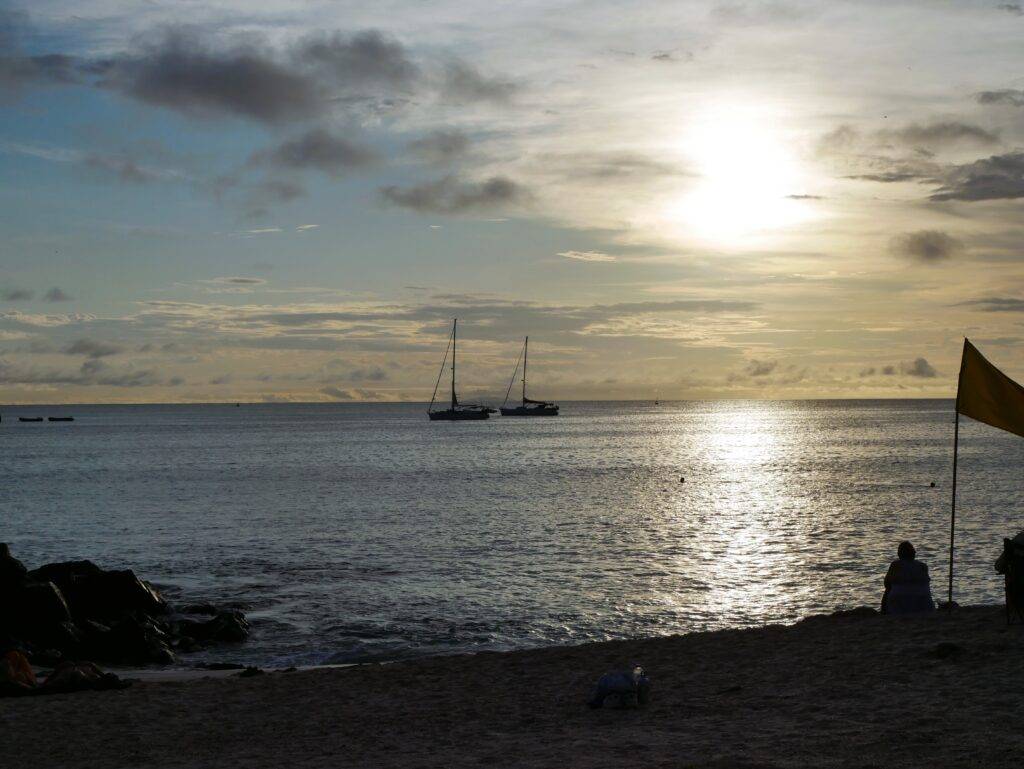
358	532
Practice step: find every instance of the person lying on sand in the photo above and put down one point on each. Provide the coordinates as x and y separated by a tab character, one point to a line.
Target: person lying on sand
907	584
1001	561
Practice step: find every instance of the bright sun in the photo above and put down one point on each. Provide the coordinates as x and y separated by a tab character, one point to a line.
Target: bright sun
747	177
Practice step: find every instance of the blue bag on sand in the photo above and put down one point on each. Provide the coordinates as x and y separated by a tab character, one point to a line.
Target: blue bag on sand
622	690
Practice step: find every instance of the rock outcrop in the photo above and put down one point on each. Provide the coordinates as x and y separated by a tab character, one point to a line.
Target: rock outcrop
76	610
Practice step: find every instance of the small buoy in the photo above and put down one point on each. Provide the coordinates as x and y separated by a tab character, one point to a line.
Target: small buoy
933	484
682	479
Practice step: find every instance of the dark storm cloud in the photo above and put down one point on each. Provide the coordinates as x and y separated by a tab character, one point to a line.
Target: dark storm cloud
919	367
57	295
461	83
92	348
317	149
999	177
440	147
1013	97
926	246
451	195
16	295
1012	8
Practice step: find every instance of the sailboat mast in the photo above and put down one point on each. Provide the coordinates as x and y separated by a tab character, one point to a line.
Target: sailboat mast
455	326
526	345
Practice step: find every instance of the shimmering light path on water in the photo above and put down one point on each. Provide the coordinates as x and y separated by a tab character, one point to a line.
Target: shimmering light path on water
365	531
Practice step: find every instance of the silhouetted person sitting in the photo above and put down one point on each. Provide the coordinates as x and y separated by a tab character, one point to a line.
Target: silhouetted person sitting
907	584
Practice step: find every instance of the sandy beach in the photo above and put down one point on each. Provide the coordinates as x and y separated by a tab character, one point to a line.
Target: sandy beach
850	691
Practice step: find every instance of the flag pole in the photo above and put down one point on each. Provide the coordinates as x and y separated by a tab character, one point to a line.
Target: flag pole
952	514
956	445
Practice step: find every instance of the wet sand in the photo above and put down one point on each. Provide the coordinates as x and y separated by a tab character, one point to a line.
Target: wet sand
848	691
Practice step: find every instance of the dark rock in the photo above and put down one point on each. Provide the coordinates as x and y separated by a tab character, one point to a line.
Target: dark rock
226	627
12	571
221	666
78	677
65	573
199	608
34	608
16	675
249	672
133	640
93	593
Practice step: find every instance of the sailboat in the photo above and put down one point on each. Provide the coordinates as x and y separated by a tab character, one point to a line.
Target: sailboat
529	408
457	411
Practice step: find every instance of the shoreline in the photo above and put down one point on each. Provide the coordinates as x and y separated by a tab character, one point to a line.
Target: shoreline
848	690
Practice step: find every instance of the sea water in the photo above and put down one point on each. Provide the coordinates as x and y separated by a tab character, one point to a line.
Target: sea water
366	532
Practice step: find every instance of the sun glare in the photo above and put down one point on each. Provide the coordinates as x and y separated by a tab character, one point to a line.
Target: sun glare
747	178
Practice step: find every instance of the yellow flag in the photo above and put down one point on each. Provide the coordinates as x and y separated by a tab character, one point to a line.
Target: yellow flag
985	393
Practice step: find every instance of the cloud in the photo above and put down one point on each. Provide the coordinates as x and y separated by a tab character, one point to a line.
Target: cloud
92	372
193	72
57	295
462	83
1012	8
587	256
440	147
319	150
995	304
760	368
375	374
999	177
1013	97
919	367
123	167
17	68
940	134
926	246
358	61
16	295
182	72
240	281
92	349
806	197
451	195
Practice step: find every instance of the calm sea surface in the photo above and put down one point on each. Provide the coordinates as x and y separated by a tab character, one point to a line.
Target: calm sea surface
361	532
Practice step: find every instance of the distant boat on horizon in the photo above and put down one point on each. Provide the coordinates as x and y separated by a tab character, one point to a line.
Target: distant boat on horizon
456	412
529	408
30	419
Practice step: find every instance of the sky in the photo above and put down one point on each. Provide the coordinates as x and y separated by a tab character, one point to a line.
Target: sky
290	201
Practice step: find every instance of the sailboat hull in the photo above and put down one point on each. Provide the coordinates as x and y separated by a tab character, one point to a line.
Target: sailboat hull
529	411
457	415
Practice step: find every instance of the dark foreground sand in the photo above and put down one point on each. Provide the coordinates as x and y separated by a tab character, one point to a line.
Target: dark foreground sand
834	691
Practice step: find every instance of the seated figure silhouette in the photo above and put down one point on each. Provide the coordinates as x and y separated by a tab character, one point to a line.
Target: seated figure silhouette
907	584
